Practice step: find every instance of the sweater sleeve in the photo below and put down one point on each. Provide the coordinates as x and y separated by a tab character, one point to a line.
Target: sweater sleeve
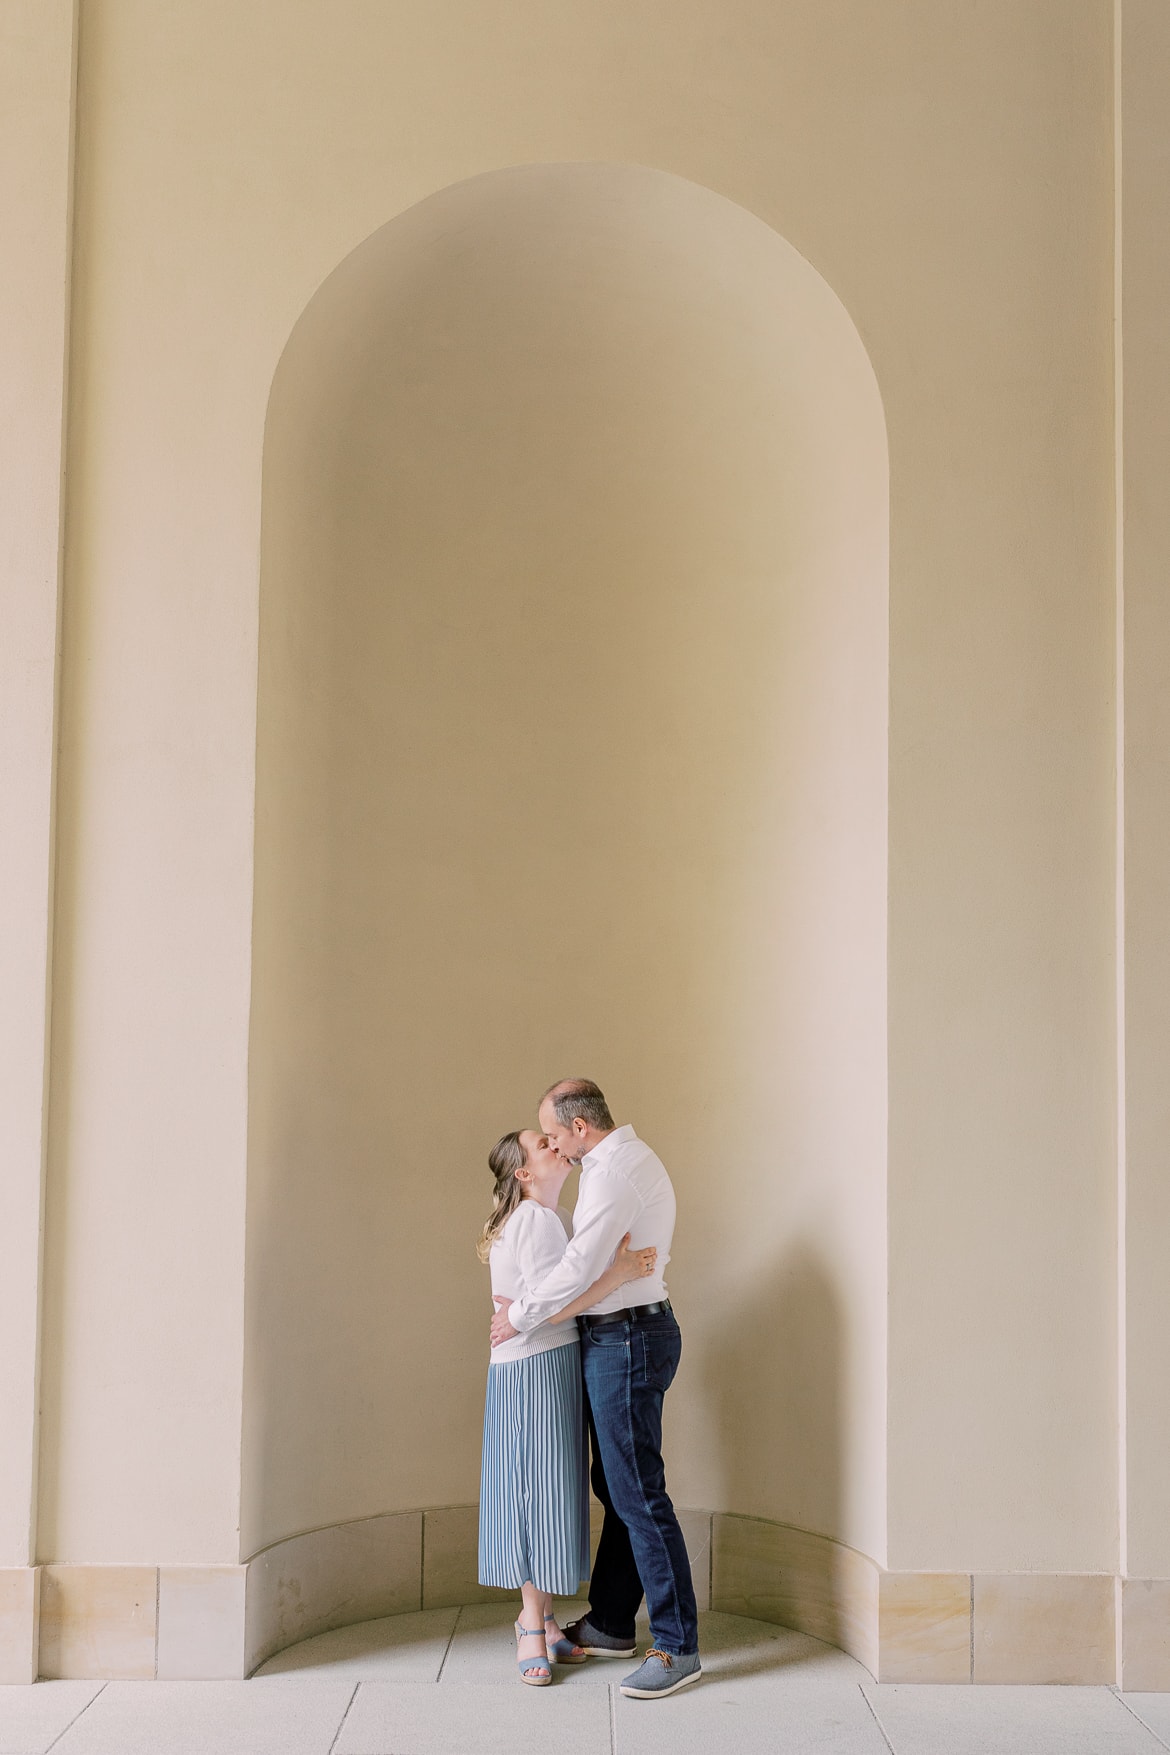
538	1241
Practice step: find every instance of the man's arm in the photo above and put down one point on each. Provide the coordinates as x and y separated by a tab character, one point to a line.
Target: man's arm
627	1267
606	1210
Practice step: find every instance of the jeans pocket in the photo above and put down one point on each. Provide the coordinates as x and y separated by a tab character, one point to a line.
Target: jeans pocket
660	1350
610	1336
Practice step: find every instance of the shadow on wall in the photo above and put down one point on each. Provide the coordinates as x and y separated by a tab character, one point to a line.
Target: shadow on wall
773	1375
570	758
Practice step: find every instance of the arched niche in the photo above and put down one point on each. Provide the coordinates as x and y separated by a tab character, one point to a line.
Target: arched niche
571	758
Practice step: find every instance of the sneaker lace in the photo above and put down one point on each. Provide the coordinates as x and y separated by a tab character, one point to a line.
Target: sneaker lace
664	1655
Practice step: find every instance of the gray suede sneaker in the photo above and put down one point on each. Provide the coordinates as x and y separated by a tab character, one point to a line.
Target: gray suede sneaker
662	1673
596	1644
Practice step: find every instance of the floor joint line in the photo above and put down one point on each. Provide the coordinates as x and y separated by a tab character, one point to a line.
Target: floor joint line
450	1642
344	1716
1134	1713
877	1721
75	1718
612	1719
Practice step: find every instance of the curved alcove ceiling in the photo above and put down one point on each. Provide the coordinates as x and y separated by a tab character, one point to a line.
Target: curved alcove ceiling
571	757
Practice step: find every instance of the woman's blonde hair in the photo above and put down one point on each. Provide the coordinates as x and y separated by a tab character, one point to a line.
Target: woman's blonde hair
505	1158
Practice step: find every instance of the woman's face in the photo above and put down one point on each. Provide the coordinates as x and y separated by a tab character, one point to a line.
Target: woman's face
543	1176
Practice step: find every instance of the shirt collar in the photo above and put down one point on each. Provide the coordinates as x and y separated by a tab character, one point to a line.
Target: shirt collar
602	1149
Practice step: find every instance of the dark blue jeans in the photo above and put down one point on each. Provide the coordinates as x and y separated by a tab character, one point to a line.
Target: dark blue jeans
628	1368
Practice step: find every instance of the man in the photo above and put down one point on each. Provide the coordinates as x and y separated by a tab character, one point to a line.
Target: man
629	1356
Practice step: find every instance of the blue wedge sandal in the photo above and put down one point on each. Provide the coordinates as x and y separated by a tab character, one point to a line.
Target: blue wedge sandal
535	1671
562	1649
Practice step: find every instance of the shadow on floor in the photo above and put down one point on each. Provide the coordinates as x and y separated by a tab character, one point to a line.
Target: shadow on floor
474	1644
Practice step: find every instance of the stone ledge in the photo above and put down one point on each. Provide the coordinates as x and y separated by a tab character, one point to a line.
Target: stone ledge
222	1621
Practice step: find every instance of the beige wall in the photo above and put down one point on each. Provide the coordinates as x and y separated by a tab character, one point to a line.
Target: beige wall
947	170
36	136
1145	280
1002	1149
571	753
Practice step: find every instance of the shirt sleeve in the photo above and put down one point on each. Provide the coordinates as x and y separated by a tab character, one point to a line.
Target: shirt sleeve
607	1208
538	1241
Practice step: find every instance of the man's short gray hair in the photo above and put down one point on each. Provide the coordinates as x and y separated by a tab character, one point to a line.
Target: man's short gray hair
579	1097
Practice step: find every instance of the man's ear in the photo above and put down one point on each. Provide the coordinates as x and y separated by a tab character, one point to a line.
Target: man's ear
579	1127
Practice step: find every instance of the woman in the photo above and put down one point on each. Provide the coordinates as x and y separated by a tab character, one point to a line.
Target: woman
534	1486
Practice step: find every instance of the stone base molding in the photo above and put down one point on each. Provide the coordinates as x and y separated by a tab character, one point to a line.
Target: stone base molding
20	1615
1144	1642
135	1623
386	1566
1039	1627
208	1622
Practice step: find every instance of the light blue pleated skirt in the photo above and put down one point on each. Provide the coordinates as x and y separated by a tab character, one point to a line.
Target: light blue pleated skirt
534	1482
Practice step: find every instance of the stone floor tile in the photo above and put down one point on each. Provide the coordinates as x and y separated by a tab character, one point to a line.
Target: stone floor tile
483	1650
734	1648
369	1690
400	1648
264	1717
921	1719
1154	1711
33	1715
475	1719
792	1717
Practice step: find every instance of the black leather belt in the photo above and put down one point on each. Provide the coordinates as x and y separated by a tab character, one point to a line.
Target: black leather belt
637	1314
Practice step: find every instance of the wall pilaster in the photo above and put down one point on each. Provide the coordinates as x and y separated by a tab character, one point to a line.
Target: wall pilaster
36	135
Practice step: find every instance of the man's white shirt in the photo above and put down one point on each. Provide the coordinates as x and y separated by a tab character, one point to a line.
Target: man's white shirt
624	1187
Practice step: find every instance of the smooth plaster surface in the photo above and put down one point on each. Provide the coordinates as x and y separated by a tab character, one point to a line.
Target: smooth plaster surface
571	753
948	170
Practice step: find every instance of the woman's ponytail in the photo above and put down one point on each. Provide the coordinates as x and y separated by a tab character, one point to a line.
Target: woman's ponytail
505	1158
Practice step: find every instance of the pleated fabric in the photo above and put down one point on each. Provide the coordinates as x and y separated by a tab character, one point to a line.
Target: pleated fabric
534	1480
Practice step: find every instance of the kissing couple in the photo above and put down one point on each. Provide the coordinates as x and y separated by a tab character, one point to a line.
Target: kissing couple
550	1377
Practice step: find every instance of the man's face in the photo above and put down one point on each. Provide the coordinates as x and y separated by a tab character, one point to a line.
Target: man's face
563	1140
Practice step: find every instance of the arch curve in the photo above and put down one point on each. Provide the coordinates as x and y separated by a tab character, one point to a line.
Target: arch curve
571	756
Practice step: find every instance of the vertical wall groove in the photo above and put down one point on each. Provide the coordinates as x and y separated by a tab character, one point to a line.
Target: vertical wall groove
1119	648
62	528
